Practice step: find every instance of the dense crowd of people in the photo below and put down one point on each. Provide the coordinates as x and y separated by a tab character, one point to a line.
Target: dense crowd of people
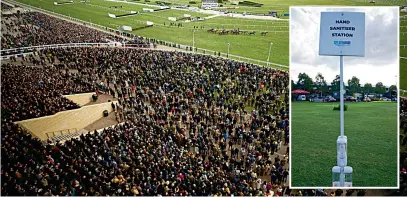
195	125
403	155
31	92
35	29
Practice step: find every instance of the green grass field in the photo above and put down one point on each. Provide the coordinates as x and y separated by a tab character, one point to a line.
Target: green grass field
255	47
371	129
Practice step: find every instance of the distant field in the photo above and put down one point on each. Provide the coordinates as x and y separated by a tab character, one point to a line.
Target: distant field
255	47
371	129
283	6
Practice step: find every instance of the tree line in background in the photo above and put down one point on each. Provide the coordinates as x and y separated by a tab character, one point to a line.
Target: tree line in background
320	85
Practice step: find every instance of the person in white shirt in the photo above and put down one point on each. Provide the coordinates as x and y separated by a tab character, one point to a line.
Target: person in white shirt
258	183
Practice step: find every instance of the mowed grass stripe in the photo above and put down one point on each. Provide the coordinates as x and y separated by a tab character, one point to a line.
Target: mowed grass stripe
371	129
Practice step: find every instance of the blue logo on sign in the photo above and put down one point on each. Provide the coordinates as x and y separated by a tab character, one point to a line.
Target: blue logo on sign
341	43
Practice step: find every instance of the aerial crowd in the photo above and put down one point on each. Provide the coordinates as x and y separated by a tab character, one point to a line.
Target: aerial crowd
190	124
25	29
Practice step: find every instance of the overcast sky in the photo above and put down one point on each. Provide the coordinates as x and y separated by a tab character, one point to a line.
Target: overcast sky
381	61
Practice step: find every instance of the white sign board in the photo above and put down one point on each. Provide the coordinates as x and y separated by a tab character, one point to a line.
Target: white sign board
342	33
111	15
172	19
148	10
127	28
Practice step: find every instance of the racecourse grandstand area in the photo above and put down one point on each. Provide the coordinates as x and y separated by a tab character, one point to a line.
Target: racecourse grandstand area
183	123
91	112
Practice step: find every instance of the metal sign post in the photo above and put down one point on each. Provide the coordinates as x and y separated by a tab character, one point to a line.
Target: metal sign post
342	34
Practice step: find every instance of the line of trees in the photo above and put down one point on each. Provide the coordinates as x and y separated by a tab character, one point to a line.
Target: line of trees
319	84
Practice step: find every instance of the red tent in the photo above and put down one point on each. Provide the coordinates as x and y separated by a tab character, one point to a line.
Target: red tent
299	91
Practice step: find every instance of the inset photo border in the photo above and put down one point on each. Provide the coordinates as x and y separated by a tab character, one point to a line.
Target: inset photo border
364	152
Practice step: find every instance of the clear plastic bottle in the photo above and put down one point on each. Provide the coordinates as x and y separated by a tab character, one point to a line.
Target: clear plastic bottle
336	176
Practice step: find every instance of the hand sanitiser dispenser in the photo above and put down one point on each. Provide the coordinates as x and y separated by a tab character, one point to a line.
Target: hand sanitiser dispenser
330	45
342	174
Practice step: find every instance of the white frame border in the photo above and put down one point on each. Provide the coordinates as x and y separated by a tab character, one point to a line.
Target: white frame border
398	102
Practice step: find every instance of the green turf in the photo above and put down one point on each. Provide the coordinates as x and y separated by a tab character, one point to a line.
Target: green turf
282	6
255	47
403	73
403	53
371	129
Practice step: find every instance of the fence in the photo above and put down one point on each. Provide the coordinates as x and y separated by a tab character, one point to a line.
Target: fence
61	132
156	41
17	52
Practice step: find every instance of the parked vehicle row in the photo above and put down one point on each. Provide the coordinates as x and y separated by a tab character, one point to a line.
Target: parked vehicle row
347	98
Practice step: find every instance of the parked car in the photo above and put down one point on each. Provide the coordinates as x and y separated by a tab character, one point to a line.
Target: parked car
318	99
350	98
302	98
330	99
385	99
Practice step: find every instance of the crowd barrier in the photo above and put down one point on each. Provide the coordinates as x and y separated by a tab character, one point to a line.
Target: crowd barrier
61	132
24	51
155	41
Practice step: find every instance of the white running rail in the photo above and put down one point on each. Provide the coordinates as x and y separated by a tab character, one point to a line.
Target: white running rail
24	51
